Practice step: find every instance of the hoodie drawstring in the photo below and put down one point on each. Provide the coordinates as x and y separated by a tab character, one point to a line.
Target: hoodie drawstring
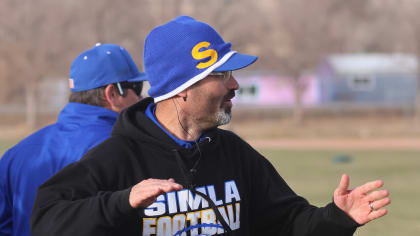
188	176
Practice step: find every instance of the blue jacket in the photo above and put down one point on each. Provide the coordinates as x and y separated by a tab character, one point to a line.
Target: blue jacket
36	158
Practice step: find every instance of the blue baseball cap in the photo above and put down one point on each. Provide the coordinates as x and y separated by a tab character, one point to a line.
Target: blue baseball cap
102	65
183	52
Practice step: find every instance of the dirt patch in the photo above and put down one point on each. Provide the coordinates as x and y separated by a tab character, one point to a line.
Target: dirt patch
356	133
364	128
375	132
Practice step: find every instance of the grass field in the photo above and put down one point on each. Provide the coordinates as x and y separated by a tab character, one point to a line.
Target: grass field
315	174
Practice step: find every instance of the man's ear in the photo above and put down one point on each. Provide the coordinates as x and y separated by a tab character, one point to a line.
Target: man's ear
111	96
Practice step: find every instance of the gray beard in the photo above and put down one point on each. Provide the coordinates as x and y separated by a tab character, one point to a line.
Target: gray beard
223	118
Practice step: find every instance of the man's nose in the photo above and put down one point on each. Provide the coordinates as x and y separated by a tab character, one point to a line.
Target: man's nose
232	84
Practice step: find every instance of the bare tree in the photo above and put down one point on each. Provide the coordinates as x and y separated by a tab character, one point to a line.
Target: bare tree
411	23
25	43
311	30
306	37
42	37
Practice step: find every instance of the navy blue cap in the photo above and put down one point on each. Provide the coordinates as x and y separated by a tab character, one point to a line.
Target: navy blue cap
102	65
184	51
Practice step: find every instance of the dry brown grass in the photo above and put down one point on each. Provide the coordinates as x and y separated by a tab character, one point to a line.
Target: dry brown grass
318	127
277	129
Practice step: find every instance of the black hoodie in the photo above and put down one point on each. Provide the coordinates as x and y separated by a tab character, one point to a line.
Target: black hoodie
90	197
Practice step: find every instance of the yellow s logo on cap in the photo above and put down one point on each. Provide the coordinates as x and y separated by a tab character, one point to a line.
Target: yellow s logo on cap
196	54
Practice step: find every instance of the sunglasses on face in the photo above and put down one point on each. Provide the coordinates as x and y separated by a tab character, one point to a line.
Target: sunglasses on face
225	75
135	86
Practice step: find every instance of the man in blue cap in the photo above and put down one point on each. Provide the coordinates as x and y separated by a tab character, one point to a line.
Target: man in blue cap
103	81
167	168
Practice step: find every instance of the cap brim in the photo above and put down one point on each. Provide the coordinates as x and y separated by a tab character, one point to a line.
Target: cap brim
236	61
141	77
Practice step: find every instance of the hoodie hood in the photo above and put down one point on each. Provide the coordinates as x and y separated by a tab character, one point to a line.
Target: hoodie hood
134	123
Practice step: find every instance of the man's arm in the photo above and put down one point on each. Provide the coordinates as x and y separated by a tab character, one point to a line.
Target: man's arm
6	223
350	209
71	203
280	211
5	214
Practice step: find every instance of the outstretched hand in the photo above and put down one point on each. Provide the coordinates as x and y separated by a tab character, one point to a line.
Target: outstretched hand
364	203
145	193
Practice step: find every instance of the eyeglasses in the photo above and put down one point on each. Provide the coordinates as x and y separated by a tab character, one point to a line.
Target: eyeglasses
135	86
224	74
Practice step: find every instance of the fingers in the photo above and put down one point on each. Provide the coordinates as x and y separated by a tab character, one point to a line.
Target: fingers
376	195
145	193
162	184
370	186
376	214
380	203
377	205
344	185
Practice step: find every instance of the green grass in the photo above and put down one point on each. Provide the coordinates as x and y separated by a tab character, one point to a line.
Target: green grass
315	175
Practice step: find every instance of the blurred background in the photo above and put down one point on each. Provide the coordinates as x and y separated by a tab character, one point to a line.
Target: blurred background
335	89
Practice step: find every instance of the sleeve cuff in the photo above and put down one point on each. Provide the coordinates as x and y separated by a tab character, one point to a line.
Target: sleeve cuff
339	217
124	203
